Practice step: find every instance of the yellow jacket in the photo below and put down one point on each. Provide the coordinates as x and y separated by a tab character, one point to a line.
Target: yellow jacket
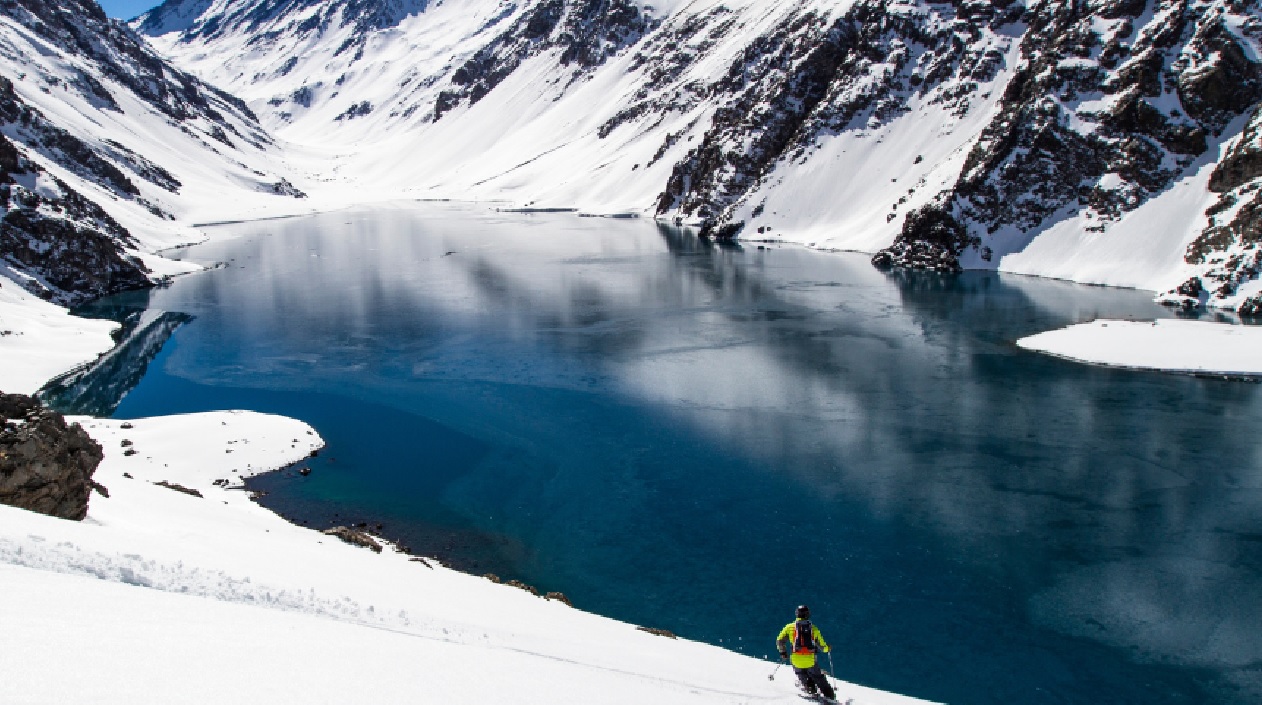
800	660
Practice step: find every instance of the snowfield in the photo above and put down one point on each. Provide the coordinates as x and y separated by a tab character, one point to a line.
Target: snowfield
162	596
39	340
165	597
1191	347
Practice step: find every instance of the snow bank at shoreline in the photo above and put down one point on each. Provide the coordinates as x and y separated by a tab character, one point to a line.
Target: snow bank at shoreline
1190	347
40	340
159	595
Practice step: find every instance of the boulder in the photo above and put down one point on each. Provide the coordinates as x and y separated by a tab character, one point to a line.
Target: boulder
46	465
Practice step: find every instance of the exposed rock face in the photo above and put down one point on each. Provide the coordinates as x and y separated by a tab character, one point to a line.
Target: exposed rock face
813	76
63	247
53	240
1227	250
310	17
585	32
1103	113
931	239
120	54
45	465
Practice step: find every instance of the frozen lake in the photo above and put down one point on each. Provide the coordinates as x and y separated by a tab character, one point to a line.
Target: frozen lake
700	438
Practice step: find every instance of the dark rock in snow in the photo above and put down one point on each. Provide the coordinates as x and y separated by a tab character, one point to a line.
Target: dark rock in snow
658	632
523	586
354	537
559	597
46	465
179	488
586	31
931	239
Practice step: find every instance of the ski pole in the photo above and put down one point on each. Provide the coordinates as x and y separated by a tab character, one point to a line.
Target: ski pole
773	671
831	668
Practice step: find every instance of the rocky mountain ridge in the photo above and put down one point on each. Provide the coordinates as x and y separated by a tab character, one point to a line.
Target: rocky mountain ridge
1037	137
73	188
1017	124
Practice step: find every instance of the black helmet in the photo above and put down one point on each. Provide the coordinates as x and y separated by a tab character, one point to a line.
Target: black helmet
804	612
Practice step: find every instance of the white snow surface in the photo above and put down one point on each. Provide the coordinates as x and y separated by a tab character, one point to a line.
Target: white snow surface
160	596
39	340
1196	347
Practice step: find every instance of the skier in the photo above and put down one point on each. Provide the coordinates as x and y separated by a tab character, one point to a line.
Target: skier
805	639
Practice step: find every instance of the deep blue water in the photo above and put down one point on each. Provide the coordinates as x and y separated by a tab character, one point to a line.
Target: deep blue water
700	438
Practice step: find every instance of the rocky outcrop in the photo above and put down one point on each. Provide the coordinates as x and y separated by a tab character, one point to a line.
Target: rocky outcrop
115	50
584	32
931	239
46	465
57	243
559	597
658	632
54	240
354	537
1158	90
1228	249
180	488
267	20
813	76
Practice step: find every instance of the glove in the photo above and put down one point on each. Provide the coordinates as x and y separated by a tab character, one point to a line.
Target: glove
784	656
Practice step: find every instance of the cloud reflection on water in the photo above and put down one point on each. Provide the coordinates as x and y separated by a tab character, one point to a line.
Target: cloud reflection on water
1123	506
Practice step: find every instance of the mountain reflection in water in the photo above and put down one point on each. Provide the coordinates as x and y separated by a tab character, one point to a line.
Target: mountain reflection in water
699	438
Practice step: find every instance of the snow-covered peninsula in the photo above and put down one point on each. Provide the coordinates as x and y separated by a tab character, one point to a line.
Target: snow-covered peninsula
1185	347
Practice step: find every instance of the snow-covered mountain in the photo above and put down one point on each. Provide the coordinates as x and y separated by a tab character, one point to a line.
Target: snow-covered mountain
1111	141
1069	139
107	151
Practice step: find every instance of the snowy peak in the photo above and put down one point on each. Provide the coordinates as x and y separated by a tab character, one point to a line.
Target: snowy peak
201	20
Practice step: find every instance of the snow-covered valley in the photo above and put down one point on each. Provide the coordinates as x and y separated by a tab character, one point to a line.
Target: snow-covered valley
1114	143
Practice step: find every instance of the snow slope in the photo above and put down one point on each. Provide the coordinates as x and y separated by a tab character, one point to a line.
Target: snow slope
161	596
39	340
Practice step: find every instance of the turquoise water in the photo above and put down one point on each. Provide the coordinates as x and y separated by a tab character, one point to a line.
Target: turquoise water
700	438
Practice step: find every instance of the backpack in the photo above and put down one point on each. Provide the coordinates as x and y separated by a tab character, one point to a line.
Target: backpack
803	637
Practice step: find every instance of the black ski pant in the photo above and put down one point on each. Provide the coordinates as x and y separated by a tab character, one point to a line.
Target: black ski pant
813	681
